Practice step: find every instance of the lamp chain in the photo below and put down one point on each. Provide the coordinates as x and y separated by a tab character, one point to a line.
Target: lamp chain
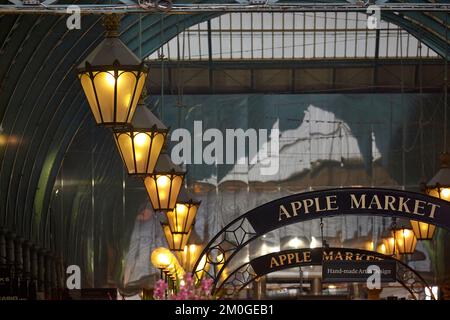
321	232
111	22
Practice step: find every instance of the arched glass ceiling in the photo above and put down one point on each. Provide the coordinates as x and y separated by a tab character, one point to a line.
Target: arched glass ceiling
310	35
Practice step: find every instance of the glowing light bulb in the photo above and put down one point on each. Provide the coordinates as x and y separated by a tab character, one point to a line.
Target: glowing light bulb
110	78
163	258
162	181
445	193
140	139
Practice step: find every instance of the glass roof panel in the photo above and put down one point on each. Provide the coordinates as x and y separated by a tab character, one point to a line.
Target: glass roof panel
302	35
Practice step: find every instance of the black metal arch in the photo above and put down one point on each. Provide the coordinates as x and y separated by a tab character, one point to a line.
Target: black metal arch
220	251
248	273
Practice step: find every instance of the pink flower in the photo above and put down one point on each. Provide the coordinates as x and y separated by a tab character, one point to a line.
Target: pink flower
160	290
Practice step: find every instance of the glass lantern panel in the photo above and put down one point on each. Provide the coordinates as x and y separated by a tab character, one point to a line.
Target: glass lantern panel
150	185
176	187
142	143
88	89
104	83
126	150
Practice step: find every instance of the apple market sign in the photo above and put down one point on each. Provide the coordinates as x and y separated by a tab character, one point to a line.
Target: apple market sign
322	204
349	201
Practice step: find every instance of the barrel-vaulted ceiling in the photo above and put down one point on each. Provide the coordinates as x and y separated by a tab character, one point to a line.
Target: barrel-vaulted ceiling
42	105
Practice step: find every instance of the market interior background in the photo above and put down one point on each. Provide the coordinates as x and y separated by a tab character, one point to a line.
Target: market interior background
355	107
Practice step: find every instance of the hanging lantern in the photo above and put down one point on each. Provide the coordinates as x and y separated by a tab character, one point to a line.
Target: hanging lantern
422	230
386	246
405	241
176	241
164	184
439	185
112	77
183	215
141	143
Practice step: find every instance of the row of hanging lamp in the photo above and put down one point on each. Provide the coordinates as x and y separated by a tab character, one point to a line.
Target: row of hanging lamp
113	80
180	221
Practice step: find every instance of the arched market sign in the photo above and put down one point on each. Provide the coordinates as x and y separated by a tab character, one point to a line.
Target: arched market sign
349	201
277	261
315	205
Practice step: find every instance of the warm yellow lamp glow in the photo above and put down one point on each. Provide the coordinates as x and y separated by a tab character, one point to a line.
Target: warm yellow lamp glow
176	241
422	230
369	245
381	248
140	148
389	244
182	216
439	192
161	258
164	184
405	241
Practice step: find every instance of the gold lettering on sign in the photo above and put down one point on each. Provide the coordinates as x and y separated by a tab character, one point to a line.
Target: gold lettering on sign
389	203
402	205
318	209
299	257
284	212
419	205
296	205
358	201
306	256
433	209
331	202
327	255
308	203
377	202
274	262
290	257
355	204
